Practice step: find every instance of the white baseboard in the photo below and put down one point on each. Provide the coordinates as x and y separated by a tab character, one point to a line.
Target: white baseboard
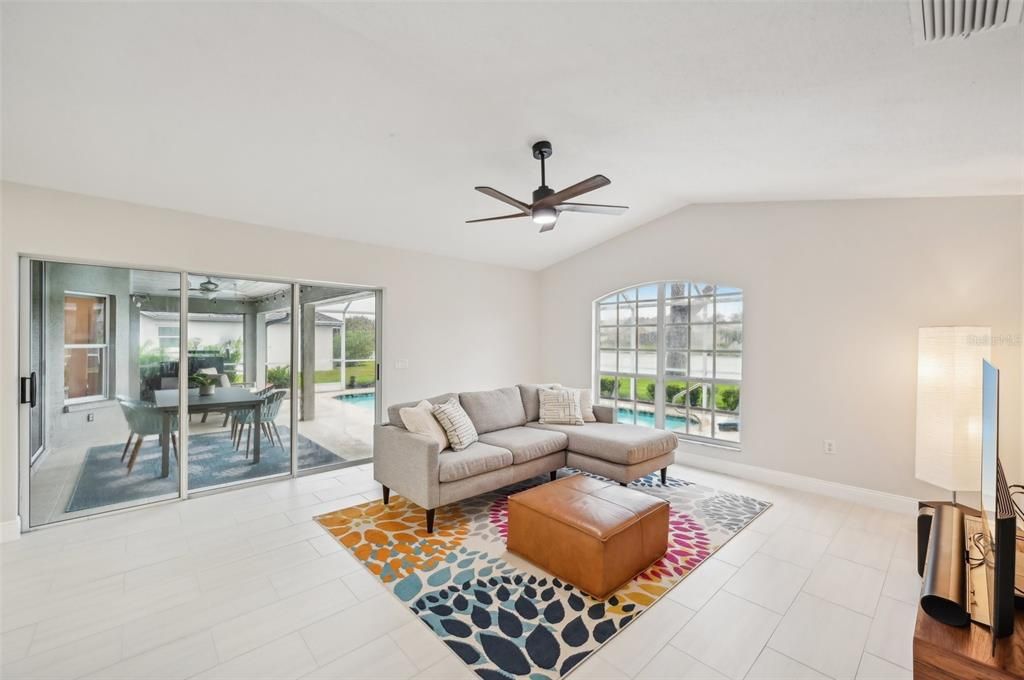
846	492
11	530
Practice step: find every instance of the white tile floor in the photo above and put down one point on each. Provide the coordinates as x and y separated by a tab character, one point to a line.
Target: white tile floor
244	585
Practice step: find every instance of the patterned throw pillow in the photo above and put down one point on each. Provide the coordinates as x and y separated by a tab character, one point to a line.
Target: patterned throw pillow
456	423
560	407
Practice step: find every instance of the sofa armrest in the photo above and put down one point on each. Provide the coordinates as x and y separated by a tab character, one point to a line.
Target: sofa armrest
604	414
407	463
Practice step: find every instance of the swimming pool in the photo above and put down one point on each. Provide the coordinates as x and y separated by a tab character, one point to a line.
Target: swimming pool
363	400
674	423
647	419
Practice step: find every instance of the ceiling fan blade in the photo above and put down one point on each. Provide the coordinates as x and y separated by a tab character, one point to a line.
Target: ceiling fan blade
595	182
504	198
501	217
547	227
593	208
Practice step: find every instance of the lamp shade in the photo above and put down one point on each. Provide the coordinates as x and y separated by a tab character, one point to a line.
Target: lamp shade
948	451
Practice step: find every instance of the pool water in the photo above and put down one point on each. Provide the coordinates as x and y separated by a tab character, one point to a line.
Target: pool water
674	423
647	419
364	400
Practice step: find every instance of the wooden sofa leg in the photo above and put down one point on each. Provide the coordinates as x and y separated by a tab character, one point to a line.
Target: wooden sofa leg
664	476
387	494
554	475
430	521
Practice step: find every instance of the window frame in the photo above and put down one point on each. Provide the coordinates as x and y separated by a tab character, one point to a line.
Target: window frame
104	348
663	375
171	350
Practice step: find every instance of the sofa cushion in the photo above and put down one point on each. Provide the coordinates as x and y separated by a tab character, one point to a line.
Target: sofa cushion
494	409
526	443
475	459
394	411
615	442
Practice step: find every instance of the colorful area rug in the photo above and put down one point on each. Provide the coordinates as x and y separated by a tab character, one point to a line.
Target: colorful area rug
503	616
212	459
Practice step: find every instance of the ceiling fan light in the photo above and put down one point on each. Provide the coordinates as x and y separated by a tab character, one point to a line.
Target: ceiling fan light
544	215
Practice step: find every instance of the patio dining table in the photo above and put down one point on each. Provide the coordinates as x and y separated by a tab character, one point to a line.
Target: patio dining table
223	399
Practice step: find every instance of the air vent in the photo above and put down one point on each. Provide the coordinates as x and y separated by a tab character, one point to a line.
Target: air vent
944	19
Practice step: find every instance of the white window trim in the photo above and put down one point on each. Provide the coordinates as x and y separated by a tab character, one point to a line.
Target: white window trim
660	373
104	394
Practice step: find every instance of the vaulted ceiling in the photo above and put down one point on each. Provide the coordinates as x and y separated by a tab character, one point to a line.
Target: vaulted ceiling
374	121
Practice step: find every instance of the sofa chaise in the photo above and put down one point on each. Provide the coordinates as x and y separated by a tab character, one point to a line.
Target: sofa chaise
513	446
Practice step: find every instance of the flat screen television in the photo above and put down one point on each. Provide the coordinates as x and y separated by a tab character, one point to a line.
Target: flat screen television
998	518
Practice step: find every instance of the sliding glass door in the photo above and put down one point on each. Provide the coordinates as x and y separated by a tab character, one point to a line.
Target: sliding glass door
97	441
113	377
238	372
338	358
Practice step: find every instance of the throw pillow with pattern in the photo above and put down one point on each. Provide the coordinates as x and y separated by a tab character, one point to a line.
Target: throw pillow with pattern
456	423
560	407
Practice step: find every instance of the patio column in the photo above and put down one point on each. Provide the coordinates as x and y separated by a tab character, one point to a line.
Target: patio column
260	345
134	337
307	350
249	346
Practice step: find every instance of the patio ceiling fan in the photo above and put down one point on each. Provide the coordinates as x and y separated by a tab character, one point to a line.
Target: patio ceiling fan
209	287
548	203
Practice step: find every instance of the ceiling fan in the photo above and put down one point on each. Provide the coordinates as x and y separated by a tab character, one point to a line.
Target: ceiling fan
548	203
209	287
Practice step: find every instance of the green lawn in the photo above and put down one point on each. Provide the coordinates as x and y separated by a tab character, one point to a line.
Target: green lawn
365	374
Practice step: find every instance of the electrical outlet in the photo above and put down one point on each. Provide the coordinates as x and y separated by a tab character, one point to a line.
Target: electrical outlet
89	417
830	446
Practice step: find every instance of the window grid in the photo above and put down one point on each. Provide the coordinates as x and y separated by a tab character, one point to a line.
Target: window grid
96	357
695	418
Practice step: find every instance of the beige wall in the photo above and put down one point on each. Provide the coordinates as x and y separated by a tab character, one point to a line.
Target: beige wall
460	325
835	292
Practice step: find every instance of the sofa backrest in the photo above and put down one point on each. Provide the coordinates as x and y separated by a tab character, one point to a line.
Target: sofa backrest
494	409
395	418
531	399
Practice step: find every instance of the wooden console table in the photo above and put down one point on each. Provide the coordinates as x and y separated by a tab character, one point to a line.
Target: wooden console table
944	652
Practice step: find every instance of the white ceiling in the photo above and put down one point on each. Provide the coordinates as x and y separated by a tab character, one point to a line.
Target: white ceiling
373	121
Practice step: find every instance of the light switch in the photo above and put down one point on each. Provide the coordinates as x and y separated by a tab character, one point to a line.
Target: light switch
401	363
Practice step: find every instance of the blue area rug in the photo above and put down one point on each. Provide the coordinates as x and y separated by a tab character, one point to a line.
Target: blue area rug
212	460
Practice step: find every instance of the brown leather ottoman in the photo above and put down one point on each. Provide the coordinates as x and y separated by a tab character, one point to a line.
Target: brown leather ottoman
596	535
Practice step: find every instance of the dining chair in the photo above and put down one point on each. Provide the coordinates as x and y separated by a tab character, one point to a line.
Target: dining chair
222	381
143	420
269	410
243	416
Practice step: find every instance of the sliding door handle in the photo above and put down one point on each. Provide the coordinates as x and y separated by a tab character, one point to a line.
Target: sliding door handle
28	390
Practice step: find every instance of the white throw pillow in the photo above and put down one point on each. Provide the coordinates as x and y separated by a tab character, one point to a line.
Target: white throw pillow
456	423
560	407
586	403
420	419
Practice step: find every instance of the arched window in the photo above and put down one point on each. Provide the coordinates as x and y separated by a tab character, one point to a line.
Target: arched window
669	355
